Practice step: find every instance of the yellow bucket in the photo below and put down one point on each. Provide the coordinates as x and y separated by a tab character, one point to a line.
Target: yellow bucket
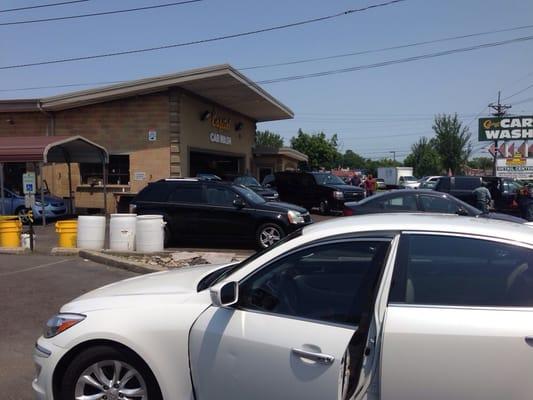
68	233
10	229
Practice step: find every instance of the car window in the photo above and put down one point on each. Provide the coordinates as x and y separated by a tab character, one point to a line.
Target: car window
399	202
187	194
438	204
443	184
328	179
220	196
459	271
246	181
157	191
467	183
330	282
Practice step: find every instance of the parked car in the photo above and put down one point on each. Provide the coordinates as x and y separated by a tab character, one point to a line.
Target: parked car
250	182
14	204
381	184
208	177
321	190
351	308
409	182
428	182
420	200
503	190
198	209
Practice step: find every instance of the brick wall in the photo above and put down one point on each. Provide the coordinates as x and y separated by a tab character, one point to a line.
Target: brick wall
23	124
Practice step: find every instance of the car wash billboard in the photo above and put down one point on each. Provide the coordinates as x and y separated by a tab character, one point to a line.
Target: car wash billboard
505	128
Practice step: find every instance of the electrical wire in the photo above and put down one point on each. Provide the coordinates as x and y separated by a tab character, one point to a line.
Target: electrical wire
43	6
214	39
519	92
97	14
403	46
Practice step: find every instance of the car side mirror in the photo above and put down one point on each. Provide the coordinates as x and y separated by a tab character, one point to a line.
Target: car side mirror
239	203
462	211
224	294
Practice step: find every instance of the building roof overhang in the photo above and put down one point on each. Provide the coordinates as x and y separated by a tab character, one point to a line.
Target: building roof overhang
220	84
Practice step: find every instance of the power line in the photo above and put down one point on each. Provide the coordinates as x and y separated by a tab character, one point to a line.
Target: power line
398	61
43	6
403	46
32	21
519	92
214	39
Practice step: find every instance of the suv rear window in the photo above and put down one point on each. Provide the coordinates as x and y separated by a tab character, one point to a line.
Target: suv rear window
157	191
187	194
464	183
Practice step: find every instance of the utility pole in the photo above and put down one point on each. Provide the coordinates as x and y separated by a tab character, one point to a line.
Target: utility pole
393	152
499	110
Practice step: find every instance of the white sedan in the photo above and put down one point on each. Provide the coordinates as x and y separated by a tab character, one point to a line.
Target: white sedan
392	307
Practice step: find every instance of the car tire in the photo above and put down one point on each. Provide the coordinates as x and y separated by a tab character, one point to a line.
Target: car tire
101	363
268	234
323	207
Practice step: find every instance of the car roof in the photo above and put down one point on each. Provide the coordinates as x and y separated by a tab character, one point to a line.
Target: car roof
422	222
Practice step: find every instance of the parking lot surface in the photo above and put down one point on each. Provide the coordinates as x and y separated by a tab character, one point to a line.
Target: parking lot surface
32	288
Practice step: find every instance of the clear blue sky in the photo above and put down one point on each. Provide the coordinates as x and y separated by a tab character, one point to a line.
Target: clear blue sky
397	101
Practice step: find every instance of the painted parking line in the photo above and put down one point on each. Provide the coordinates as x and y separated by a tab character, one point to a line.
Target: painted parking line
19	271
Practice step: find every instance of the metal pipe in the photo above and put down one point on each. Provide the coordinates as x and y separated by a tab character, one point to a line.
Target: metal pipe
70	200
2	198
104	171
41	179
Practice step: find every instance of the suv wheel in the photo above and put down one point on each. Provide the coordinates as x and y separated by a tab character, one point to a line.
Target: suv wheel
324	207
269	234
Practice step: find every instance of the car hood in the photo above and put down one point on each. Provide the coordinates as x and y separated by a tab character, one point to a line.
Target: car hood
346	188
176	286
280	206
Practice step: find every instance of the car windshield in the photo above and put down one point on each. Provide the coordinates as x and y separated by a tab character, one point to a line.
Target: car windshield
328	179
246	181
250	195
409	178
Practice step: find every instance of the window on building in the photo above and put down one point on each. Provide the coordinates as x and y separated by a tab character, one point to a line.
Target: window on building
118	171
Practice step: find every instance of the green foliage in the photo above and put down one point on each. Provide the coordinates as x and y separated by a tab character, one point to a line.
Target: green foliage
371	166
322	152
452	142
484	163
352	160
268	139
424	158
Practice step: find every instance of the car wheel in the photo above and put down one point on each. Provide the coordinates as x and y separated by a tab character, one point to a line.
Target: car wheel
106	372
269	234
24	214
323	207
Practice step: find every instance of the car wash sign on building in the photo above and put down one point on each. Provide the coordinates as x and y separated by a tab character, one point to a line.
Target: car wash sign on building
506	128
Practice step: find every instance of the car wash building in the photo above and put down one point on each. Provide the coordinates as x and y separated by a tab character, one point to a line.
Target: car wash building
178	125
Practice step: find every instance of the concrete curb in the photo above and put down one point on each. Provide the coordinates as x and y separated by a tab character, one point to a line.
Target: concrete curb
14	250
119	262
63	251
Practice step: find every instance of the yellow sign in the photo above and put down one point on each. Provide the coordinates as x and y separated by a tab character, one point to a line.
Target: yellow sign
221	123
516	161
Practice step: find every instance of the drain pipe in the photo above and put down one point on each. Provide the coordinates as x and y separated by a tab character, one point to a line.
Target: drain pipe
50	126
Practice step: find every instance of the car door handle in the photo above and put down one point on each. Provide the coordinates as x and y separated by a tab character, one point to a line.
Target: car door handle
529	340
318	357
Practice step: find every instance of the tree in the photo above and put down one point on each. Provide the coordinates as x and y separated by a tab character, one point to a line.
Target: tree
352	160
452	142
268	139
484	163
322	152
424	158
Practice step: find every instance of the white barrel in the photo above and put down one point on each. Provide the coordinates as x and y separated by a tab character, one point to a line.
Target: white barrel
122	232
91	232
150	233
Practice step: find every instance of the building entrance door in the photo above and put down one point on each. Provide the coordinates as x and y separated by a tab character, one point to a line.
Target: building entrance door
224	166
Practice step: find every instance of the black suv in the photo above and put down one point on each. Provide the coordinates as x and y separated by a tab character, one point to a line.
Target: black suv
315	189
250	182
502	190
198	209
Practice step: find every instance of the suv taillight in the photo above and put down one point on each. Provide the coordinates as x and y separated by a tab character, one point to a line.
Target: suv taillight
347	212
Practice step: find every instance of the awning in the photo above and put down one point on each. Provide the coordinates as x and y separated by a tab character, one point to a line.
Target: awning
47	149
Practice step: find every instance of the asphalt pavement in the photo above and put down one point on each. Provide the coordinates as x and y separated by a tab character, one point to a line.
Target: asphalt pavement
32	288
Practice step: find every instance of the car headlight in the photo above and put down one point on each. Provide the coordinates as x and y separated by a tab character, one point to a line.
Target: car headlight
338	195
295	217
39	204
60	323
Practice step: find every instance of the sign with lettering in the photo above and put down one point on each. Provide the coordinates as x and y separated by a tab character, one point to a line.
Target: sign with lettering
223	124
219	138
506	128
515	171
28	183
139	176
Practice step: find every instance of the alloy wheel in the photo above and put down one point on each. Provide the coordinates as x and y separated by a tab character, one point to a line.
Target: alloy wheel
110	380
269	236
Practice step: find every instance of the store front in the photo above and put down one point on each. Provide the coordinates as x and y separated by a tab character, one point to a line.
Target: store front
178	125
